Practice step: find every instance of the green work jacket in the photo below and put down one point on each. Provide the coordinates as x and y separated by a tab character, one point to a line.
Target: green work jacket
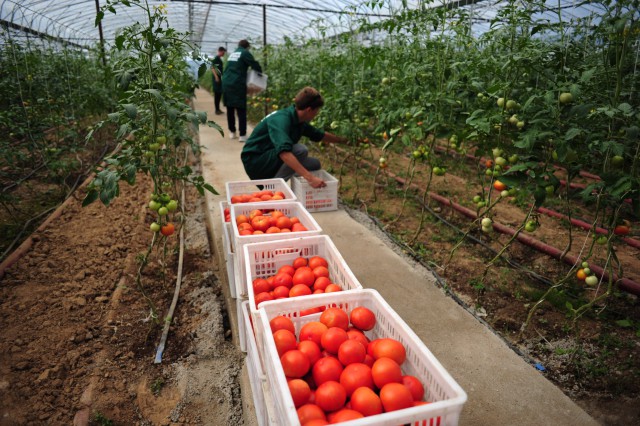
234	79
276	133
217	64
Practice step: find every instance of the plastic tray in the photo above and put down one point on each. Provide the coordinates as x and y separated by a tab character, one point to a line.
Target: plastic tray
229	254
316	199
446	396
256	82
264	259
255	369
250	186
289	208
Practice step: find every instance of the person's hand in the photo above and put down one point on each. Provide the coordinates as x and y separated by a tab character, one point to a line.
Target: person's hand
316	182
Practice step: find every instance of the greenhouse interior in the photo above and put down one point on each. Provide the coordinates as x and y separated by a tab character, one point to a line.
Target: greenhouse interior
428	212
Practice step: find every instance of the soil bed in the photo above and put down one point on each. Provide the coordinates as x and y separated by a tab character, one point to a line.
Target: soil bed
595	361
78	339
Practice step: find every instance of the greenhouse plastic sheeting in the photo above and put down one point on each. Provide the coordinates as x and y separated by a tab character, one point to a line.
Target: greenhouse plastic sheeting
224	23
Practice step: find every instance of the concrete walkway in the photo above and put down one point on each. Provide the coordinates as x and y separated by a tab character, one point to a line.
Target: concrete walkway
502	388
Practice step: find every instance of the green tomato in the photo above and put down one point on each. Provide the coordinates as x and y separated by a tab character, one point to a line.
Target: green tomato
566	98
417	154
587	271
164	197
511	104
520	124
477	199
617	161
501	161
149	154
513	119
504	193
550	189
161	139
154	227
497	152
334	125
154	205
486	222
385	80
488	172
601	240
154	147
591	280
500	102
172	205
512	191
513	159
480	204
487	229
585	264
530	226
163	211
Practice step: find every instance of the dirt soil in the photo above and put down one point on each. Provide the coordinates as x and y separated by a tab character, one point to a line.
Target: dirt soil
595	361
78	343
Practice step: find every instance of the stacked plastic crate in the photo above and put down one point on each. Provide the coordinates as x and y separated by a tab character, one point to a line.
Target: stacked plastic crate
262	256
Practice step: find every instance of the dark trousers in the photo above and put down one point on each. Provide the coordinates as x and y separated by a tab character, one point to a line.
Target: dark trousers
217	97
242	119
302	154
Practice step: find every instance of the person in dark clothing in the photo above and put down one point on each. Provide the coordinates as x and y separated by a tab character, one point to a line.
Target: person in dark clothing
273	149
234	88
216	70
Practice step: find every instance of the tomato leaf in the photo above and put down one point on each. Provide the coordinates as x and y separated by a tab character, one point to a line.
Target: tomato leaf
131	110
91	196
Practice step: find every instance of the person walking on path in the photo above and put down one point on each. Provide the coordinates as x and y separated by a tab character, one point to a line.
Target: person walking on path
234	88
273	149
216	70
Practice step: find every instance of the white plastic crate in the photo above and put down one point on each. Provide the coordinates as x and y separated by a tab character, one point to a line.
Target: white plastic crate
256	82
255	368
289	208
250	186
316	199
264	259
229	254
446	396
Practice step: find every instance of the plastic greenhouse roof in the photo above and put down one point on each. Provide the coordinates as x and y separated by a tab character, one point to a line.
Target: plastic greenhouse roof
215	23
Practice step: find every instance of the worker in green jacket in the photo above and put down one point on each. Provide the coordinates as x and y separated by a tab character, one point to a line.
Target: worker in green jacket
273	149
234	88
216	71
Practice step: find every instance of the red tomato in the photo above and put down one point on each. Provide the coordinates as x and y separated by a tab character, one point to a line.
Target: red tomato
355	376
241	219
621	230
168	229
365	401
285	341
415	387
282	323
260	223
321	283
245	226
300	391
362	318
294	363
344	415
309	412
304	275
260	285
255	213
386	370
300	261
280	292
330	396
262	297
389	348
298	227
351	351
282	279
335	317
312	331
320	271
284	222
288	269
299	290
316	261
368	360
326	369
395	396
310	311
359	336
235	199
315	422
294	219
332	339
332	288
272	230
311	350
